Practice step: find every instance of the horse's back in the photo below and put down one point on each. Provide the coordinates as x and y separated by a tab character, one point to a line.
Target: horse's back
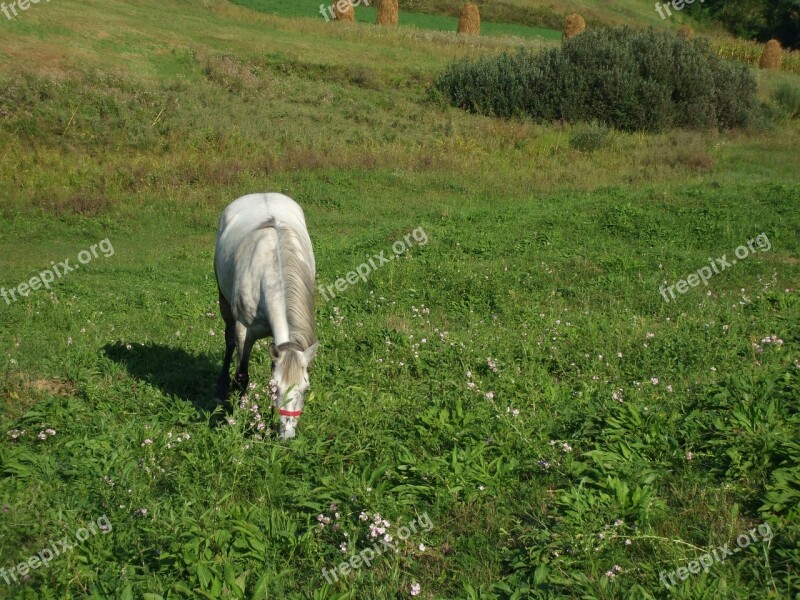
250	212
247	241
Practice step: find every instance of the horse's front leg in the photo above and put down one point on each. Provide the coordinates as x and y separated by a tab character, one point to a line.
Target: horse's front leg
244	343
224	379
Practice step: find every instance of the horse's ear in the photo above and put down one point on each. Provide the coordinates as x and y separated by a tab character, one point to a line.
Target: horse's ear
308	353
274	352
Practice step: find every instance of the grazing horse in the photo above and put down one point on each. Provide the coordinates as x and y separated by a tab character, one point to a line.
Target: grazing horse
265	269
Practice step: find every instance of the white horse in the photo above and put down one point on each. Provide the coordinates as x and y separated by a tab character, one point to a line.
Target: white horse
265	271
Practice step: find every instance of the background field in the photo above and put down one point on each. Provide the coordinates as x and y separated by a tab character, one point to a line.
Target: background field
672	425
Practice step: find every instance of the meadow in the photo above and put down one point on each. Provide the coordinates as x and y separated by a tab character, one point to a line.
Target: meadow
518	382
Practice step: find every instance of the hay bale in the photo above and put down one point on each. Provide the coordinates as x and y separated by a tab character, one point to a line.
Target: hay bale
772	55
573	25
343	11
686	32
470	19
388	13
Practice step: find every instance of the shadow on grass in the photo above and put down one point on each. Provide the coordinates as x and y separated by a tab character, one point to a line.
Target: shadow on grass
172	370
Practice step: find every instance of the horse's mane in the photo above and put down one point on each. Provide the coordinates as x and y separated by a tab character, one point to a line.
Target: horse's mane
298	284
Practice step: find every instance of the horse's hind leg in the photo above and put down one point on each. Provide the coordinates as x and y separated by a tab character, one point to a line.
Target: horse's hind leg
224	380
244	343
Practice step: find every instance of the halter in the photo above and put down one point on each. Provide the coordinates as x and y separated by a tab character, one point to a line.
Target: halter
282	347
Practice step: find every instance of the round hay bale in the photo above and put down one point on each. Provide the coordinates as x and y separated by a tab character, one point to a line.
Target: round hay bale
343	11
573	25
470	19
686	32
388	13
772	55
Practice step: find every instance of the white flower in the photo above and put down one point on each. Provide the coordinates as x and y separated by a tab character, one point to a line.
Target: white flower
415	589
422	547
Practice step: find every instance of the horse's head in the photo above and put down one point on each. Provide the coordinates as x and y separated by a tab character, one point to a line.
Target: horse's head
289	382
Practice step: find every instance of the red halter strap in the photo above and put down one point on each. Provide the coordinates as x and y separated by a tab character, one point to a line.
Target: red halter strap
289	413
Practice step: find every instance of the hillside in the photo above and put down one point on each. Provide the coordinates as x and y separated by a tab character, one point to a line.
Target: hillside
518	386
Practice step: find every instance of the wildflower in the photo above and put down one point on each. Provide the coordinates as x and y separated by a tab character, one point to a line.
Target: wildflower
491	364
50	431
231	421
619	354
422	547
669	388
489	395
654	380
363	516
141	512
651	335
689	456
147	442
42	435
481	487
343	547
628	542
565	447
617	395
415	589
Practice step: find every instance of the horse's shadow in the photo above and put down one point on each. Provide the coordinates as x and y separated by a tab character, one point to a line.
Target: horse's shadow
174	371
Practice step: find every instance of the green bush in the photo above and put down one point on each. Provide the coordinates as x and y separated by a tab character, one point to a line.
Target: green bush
632	80
787	97
590	137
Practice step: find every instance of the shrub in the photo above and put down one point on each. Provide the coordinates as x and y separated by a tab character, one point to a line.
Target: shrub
632	80
388	13
470	19
787	97
590	137
573	25
771	57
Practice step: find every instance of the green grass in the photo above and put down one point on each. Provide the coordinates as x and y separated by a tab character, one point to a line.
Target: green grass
420	20
545	254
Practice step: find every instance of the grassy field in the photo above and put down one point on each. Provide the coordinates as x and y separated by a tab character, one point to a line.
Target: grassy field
516	386
420	20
